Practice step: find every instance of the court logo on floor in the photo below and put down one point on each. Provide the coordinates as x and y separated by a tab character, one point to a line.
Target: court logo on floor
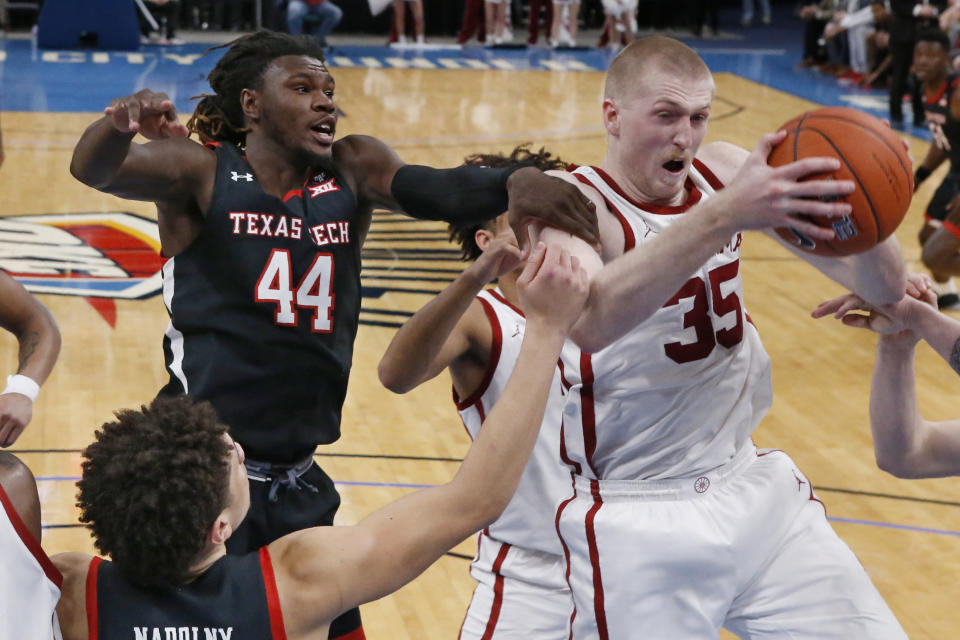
96	256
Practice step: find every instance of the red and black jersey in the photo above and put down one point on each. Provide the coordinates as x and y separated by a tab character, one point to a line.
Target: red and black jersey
235	599
945	129
264	306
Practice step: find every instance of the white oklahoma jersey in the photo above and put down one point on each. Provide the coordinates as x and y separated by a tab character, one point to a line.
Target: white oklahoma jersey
521	589
677	525
29	583
696	369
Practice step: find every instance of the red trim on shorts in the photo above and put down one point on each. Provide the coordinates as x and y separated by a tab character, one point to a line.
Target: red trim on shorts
293	193
629	238
952	228
209	145
31	543
92	627
588	415
564	383
708	175
598	610
356	634
693	196
497	592
566	549
273	597
496	347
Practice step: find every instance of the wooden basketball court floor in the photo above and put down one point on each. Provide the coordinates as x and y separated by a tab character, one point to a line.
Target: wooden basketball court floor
906	533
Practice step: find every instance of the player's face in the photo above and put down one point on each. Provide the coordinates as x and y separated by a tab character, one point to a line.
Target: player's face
930	62
297	107
238	501
659	127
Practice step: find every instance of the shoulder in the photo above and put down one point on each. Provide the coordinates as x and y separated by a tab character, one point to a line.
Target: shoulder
723	159
359	148
72	607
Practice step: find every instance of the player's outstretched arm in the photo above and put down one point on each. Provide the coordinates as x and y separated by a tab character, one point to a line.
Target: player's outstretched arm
39	339
440	332
465	194
323	571
169	168
906	445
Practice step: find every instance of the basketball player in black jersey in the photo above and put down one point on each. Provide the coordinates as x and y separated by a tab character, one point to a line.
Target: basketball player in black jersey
263	226
940	234
164	488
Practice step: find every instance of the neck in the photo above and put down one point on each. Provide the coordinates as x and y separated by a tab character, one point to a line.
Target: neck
933	85
206	559
508	285
633	186
276	171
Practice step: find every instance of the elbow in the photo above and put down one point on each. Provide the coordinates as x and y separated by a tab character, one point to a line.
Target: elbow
895	465
83	174
587	342
392	379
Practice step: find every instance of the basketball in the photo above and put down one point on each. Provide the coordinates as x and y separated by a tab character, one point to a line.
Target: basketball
871	155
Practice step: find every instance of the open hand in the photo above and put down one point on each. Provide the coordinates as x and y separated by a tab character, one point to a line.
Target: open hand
502	255
150	114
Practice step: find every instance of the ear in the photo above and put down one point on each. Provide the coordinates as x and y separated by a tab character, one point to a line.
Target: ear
611	117
221	529
483	237
250	104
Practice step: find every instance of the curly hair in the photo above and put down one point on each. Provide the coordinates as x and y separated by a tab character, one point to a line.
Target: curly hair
219	117
153	483
465	235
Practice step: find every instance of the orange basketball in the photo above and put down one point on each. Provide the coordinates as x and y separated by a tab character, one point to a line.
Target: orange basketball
871	155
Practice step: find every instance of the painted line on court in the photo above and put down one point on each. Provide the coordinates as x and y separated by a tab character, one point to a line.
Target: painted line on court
890	525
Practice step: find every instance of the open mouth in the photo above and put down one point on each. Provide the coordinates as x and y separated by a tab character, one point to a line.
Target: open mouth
322	133
673	166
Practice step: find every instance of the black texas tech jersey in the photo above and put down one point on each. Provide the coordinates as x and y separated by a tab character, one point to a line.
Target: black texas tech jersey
264	307
235	599
946	130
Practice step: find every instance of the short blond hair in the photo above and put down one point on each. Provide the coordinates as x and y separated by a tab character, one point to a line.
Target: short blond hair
631	66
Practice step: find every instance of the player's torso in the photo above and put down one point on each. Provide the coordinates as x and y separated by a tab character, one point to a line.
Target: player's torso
528	519
944	127
682	391
230	600
264	307
29	583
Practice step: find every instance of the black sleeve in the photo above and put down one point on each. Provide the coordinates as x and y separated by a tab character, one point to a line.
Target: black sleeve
463	195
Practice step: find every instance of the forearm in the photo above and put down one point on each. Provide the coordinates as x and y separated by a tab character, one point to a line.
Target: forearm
938	330
100	153
878	275
39	346
631	288
462	195
411	357
894	417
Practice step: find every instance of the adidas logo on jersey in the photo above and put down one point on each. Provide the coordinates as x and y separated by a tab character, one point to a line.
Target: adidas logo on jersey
237	177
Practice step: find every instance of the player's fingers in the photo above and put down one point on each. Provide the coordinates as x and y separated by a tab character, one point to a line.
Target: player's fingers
822	188
6	428
809	229
827	307
811	207
766	144
807	167
533	262
856	320
133	114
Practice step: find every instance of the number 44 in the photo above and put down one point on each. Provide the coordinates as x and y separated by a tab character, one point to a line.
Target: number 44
315	290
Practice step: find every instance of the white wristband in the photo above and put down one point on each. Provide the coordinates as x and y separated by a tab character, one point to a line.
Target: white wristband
23	385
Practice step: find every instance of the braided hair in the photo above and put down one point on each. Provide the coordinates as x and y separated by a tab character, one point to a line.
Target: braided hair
219	116
465	234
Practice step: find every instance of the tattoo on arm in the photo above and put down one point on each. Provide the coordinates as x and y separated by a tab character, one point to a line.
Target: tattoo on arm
28	345
955	356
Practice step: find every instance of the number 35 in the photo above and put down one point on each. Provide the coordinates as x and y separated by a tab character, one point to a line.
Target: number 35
699	316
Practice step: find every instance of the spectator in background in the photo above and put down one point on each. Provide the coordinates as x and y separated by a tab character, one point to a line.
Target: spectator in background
815	17
907	17
166	13
324	14
747	18
563	31
620	22
473	22
534	32
399	19
495	17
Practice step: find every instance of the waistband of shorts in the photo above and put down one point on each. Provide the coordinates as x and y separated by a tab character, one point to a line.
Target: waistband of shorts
267	471
672	489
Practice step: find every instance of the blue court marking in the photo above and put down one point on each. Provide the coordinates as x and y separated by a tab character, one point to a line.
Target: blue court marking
400	485
890	525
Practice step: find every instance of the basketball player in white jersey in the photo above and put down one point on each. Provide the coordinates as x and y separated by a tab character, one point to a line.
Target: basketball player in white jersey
39	339
906	445
677	526
29	583
521	591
